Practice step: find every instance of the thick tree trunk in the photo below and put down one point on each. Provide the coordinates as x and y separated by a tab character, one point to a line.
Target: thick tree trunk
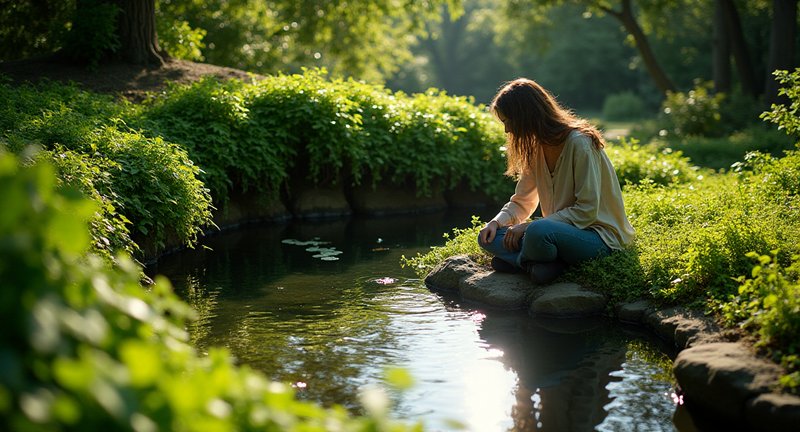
721	50
137	32
625	16
781	46
741	56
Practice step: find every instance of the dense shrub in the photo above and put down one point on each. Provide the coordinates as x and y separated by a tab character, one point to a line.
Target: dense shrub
623	106
147	181
725	152
86	348
635	163
696	112
786	117
255	135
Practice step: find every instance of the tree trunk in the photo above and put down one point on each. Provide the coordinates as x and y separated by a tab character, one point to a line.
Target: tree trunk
781	46
137	32
628	21
721	50
741	55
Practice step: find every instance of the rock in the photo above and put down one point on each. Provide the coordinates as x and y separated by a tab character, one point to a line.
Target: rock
319	201
499	290
633	311
567	300
449	273
686	328
774	412
721	377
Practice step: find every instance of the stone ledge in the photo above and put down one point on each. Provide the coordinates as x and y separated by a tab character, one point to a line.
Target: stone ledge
724	378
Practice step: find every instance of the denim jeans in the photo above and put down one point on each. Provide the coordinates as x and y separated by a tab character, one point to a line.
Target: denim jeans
549	246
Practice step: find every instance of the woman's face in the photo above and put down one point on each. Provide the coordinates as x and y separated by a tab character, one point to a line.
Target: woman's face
504	119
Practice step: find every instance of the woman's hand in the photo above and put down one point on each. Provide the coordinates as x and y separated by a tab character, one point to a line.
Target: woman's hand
488	232
513	238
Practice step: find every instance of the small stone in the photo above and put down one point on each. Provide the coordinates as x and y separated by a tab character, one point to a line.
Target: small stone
633	311
567	300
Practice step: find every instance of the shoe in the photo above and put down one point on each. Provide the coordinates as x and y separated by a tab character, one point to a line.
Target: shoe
502	266
544	273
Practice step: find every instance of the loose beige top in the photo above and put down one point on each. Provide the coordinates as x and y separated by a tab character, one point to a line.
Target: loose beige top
582	190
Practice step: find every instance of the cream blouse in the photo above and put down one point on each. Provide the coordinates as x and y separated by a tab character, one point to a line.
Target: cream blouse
583	191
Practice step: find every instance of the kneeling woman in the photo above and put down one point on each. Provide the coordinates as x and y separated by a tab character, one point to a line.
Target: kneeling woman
560	164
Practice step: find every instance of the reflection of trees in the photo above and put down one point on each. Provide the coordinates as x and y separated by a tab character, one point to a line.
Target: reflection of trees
563	368
299	319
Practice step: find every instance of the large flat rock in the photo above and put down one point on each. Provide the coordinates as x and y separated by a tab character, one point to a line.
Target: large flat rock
447	276
498	290
567	300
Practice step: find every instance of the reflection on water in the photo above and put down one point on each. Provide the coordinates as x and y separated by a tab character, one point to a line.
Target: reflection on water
330	327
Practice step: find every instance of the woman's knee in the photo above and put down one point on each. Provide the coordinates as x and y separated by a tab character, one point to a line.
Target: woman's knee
540	229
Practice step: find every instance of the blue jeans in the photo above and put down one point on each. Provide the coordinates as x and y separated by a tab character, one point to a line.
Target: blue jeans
550	247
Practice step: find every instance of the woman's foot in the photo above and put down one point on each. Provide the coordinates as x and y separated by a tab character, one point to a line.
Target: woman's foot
502	266
544	273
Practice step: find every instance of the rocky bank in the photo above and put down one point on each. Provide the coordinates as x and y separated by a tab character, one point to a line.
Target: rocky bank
718	374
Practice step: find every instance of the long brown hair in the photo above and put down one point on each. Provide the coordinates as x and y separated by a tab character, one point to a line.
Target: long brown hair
534	118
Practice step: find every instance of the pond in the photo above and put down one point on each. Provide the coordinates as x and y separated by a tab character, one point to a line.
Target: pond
326	306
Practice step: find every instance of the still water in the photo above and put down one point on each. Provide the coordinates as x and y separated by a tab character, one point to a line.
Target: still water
326	306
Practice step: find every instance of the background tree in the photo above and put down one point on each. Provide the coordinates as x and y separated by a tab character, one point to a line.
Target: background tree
363	38
781	47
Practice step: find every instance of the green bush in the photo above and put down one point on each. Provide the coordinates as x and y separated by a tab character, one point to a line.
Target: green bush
725	152
768	303
623	106
180	40
696	112
85	347
786	117
310	128
635	163
147	181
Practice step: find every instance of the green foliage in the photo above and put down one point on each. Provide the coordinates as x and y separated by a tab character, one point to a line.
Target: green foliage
327	131
32	27
180	40
619	276
85	347
94	32
463	241
696	112
623	106
768	303
368	39
147	181
635	163
787	117
727	151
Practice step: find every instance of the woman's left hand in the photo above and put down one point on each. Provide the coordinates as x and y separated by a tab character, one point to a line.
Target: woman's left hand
513	238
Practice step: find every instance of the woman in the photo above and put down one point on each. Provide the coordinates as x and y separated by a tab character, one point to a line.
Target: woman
560	164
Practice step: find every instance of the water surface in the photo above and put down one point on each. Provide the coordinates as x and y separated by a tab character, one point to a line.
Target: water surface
326	306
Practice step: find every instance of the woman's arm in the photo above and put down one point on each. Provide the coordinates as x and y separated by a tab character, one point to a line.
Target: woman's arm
522	203
587	181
